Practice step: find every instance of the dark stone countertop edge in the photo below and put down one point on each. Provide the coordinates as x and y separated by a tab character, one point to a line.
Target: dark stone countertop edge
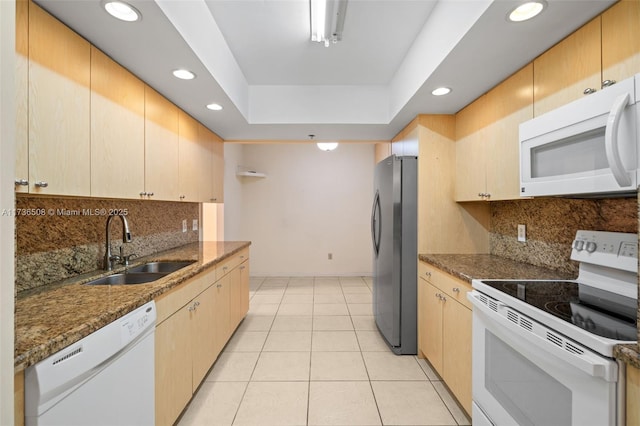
34	354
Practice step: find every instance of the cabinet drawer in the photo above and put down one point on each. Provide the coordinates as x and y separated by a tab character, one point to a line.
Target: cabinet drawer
224	267
453	287
425	271
170	302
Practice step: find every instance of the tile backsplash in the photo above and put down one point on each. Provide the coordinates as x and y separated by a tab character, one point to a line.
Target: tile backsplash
551	225
64	237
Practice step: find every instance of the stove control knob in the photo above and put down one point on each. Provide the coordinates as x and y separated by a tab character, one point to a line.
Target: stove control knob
591	246
578	245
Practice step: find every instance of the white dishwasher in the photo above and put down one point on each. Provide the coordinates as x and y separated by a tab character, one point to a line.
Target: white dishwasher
107	378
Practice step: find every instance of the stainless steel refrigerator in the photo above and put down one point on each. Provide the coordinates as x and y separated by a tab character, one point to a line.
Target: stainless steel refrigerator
394	226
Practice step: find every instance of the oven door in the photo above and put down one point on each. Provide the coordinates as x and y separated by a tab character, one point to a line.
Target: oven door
521	378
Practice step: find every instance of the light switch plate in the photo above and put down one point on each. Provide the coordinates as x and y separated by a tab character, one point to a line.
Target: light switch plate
522	233
184	225
194	227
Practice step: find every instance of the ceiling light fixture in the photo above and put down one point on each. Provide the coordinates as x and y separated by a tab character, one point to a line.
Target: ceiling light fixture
324	146
440	91
183	74
122	11
526	11
327	20
214	107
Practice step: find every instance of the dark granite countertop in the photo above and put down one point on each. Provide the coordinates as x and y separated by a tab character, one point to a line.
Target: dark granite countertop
51	318
470	266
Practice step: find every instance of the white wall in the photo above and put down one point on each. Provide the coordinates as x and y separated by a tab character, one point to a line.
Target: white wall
310	204
7	165
232	192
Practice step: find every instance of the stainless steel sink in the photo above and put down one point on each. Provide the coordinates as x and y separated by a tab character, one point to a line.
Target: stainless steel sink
161	267
128	278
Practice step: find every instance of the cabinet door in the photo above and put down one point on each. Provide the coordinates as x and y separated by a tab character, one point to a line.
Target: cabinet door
456	340
222	328
59	106
22	96
621	40
512	103
422	314
433	327
235	290
206	140
173	367
161	147
204	347
188	157
471	130
244	288
117	129
562	73
218	170
633	396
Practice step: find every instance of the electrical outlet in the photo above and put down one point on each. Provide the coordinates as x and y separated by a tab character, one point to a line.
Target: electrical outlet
194	227
330	256
522	233
184	225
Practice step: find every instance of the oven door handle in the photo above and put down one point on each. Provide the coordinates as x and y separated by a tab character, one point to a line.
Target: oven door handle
532	332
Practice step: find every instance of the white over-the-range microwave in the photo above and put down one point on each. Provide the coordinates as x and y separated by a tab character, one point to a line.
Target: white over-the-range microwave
589	147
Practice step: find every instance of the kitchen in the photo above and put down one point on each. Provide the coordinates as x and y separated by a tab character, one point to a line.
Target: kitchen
469	221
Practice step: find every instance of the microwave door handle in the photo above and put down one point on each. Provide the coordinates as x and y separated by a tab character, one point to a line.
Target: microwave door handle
611	141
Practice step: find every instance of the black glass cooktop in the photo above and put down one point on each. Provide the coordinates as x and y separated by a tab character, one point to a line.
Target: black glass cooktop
598	311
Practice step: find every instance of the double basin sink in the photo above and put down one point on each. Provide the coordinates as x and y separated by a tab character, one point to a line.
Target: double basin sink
141	274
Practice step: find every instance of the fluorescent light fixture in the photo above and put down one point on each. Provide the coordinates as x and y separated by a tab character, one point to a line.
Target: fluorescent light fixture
440	91
214	107
183	74
526	11
122	11
327	146
327	20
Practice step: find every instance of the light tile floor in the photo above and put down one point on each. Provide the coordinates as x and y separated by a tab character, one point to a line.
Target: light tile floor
309	353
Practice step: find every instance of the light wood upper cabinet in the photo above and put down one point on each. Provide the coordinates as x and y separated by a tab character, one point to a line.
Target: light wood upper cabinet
161	176
117	129
606	48
211	166
562	73
22	96
188	157
59	106
487	146
621	40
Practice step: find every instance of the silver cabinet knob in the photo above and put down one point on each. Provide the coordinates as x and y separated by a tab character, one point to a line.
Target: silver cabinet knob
143	194
589	90
182	197
608	83
242	267
22	182
150	194
41	184
456	290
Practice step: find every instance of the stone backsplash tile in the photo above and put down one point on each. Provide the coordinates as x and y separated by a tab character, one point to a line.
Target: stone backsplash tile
67	240
552	224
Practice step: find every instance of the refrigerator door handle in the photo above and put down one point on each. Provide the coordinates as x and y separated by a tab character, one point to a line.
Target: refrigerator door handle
376	223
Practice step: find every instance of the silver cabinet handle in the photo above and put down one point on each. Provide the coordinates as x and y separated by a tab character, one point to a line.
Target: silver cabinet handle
224	268
196	304
22	182
150	194
444	299
242	267
42	184
213	199
219	285
456	290
192	308
142	194
608	83
588	91
182	197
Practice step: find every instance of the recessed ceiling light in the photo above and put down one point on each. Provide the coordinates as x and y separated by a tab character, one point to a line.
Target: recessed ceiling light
122	11
214	107
526	11
184	74
441	91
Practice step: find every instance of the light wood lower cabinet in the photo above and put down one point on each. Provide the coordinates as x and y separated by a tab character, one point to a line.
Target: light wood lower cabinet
444	329
633	396
195	321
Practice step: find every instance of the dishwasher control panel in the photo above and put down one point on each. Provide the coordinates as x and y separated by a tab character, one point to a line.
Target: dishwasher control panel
136	322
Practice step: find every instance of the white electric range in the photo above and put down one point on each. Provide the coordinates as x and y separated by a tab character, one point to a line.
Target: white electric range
542	350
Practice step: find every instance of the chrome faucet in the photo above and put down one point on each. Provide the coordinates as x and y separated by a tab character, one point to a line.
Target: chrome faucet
110	260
